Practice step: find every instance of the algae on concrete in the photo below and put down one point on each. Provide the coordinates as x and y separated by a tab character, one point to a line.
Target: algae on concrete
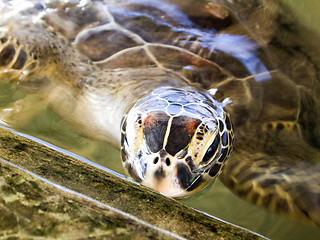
48	194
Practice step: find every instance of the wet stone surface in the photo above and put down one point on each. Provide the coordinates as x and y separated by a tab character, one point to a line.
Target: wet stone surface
31	207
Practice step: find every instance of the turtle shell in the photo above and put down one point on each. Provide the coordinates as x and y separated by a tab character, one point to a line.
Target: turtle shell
136	34
202	42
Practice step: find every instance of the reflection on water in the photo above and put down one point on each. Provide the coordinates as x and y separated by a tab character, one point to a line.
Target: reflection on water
216	200
245	51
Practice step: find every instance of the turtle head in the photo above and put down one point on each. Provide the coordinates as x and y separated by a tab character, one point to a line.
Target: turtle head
176	141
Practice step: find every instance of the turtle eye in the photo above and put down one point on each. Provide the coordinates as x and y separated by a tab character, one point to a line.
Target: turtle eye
212	150
183	152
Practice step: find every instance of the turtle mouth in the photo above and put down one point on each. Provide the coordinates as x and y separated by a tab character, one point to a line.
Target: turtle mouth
167	181
176	182
167	186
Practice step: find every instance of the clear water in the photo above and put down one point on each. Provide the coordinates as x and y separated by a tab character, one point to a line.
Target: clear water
216	200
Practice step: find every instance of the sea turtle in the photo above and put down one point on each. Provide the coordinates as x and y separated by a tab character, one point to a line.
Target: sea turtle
178	85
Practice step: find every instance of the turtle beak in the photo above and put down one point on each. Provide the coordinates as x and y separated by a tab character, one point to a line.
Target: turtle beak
164	180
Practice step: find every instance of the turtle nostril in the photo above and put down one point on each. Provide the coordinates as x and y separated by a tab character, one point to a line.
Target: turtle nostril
155	161
168	162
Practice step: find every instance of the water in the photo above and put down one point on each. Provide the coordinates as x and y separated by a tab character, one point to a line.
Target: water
216	200
307	12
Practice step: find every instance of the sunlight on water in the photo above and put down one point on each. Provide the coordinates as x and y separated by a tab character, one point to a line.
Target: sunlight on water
245	51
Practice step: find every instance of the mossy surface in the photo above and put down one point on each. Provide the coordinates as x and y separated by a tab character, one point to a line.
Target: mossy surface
30	207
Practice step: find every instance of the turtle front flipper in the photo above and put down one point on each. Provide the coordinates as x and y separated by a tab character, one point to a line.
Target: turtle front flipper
23	64
21	112
280	172
18	64
15	60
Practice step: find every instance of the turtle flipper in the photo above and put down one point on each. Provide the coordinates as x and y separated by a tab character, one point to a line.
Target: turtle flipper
285	179
19	64
21	112
15	61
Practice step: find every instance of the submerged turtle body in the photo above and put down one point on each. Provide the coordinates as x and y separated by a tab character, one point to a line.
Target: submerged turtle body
161	78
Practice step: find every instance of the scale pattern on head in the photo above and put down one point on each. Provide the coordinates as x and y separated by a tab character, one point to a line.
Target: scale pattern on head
176	140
